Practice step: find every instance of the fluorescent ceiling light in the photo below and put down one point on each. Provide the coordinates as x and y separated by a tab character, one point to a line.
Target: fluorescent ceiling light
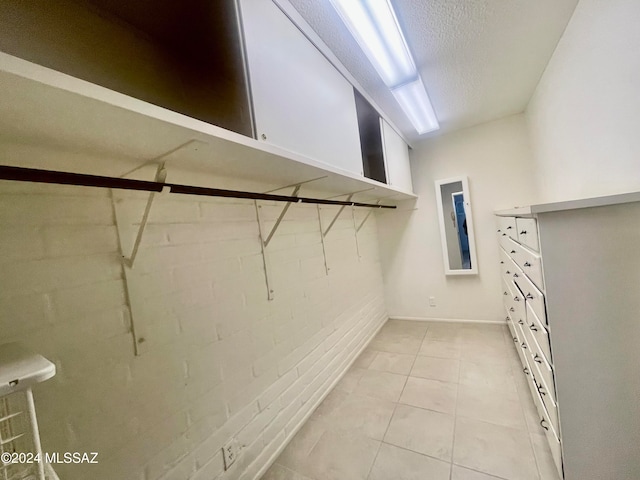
375	27
414	100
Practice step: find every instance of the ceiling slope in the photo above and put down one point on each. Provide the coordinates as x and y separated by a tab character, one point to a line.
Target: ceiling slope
480	59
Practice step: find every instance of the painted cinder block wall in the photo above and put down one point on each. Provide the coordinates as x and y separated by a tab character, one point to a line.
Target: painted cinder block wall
219	362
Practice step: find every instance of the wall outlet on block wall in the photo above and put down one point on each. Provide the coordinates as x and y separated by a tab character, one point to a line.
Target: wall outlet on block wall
432	301
229	452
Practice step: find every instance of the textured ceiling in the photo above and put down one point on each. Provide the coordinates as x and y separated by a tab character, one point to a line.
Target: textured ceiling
479	59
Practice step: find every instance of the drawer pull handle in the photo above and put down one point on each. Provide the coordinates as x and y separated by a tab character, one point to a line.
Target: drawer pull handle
523	345
533	327
512	309
499	230
517	299
541	390
525	370
505	293
509	228
515	339
529	296
508	272
520	322
504	234
501	262
527	264
513	251
523	232
515	275
537	358
542	424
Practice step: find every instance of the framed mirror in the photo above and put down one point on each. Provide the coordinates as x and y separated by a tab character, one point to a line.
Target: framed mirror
456	226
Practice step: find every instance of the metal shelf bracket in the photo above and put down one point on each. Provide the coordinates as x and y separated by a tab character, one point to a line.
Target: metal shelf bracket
161	176
264	242
326	232
324	250
365	219
355	232
280	217
332	223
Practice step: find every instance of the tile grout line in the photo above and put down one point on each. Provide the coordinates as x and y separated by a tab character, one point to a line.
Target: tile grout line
422	408
455	417
395	406
483	473
513	363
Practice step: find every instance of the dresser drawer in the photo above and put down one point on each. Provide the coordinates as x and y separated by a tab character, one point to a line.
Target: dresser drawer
550	406
551	431
539	332
512	330
518	261
543	411
507	297
534	297
511	247
531	264
503	239
508	225
509	269
527	229
518	305
506	290
543	372
521	348
537	369
504	258
515	327
556	449
522	342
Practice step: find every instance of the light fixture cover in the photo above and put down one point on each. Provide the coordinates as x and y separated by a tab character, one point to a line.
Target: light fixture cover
415	102
374	25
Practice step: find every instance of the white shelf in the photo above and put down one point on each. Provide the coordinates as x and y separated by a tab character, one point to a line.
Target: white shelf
21	369
571	205
47	110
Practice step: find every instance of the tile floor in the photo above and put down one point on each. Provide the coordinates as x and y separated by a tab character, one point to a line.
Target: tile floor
425	401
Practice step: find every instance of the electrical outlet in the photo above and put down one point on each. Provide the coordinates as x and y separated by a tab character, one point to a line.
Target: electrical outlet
229	452
432	301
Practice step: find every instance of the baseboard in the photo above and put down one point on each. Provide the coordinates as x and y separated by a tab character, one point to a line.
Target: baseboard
289	437
445	320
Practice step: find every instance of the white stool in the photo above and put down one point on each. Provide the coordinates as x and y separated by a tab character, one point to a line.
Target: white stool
19	371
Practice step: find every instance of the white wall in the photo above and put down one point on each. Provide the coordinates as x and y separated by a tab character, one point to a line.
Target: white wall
221	362
497	159
585	114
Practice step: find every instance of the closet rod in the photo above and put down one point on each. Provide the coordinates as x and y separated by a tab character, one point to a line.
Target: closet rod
81	179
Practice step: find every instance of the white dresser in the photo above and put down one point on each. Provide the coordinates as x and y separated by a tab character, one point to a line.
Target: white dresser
571	290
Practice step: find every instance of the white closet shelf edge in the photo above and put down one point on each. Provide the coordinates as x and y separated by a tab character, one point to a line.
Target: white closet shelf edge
46	108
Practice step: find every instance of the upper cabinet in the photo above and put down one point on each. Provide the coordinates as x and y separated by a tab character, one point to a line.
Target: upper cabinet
396	156
186	58
370	140
240	73
300	101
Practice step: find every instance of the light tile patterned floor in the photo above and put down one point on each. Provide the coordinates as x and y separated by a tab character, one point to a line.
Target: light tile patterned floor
425	401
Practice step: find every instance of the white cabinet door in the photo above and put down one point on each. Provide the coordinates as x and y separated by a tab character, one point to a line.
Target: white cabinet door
396	155
301	102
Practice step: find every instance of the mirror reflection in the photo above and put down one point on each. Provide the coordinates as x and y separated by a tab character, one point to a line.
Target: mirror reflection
456	226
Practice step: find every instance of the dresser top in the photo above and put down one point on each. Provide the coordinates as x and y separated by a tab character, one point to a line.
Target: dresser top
571	205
